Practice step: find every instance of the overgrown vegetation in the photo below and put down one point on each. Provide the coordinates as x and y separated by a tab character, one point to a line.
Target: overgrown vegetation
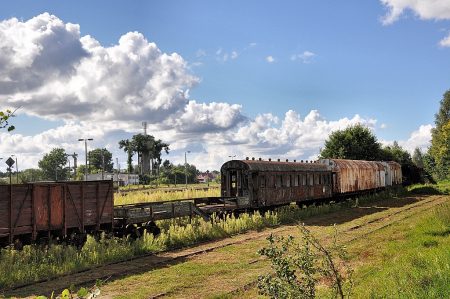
412	263
34	262
299	266
161	195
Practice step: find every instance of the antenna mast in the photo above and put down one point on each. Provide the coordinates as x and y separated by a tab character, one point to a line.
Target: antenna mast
144	124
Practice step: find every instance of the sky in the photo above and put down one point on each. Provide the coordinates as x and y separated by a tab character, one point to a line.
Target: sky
220	79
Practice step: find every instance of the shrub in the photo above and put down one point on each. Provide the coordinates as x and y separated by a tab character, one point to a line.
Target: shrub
298	267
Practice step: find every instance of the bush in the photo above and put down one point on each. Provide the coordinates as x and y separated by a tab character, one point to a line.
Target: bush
298	267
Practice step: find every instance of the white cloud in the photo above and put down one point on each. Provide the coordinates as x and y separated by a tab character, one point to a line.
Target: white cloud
305	57
424	9
420	138
383	126
234	55
130	80
445	42
270	59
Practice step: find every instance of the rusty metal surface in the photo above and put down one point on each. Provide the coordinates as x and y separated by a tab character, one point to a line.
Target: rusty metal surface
396	172
44	207
357	175
256	165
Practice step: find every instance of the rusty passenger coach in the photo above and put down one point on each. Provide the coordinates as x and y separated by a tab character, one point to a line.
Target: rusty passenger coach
259	183
31	212
270	183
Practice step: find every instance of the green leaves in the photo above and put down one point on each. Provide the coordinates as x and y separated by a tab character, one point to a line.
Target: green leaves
355	142
4	119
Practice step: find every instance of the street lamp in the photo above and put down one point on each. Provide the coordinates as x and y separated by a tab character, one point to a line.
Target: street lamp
85	151
17	169
185	166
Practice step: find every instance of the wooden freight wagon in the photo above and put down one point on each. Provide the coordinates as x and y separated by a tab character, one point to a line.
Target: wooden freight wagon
39	211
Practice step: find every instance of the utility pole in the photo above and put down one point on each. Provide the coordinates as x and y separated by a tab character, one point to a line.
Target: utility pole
185	166
103	164
17	169
86	155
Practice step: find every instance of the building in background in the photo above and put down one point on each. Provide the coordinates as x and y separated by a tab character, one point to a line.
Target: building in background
123	179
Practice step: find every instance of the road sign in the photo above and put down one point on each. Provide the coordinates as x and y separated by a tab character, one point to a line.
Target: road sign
9	162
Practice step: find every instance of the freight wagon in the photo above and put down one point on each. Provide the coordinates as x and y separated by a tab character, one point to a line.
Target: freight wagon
39	211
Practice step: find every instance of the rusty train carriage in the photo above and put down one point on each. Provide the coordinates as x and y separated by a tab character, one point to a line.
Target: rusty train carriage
41	210
269	183
33	211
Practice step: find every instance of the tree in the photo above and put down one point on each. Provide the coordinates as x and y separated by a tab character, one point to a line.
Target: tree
53	165
417	157
396	153
440	139
31	175
356	142
127	146
99	157
4	120
148	149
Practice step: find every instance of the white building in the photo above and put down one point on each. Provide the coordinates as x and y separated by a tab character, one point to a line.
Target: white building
124	179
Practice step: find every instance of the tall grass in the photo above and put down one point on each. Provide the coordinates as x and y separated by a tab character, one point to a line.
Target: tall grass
35	263
160	195
415	266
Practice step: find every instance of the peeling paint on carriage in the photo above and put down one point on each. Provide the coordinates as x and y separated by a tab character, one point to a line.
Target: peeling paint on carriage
351	176
269	183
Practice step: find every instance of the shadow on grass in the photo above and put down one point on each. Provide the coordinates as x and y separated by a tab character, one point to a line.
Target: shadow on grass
88	278
442	233
426	190
364	209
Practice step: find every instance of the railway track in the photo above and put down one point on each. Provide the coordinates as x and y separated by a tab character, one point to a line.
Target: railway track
151	261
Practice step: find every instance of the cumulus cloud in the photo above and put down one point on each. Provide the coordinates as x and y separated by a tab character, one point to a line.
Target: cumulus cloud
57	74
291	137
420	138
445	42
426	10
305	57
270	59
203	118
38	51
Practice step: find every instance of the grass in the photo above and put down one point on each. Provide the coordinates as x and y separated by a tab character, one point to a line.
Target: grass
36	263
413	263
161	195
168	186
442	187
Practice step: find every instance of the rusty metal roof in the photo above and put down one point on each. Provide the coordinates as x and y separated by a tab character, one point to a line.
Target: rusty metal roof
257	165
354	164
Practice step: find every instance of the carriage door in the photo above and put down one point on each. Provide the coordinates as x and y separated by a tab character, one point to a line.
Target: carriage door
232	183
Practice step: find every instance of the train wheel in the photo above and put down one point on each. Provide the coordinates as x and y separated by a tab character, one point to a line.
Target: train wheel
152	228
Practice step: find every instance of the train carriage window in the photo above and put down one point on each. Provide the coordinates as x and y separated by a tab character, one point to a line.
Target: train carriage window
278	181
287	182
304	179
311	179
262	181
296	179
316	179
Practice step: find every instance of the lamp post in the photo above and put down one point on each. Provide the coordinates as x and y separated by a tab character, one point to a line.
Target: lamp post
17	169
185	166
85	151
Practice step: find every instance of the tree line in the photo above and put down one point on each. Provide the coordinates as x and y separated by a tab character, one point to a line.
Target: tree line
359	143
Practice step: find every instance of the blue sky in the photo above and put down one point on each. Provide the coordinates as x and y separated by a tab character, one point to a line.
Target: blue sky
337	57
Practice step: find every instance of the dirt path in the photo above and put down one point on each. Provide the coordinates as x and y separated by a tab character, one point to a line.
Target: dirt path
150	275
